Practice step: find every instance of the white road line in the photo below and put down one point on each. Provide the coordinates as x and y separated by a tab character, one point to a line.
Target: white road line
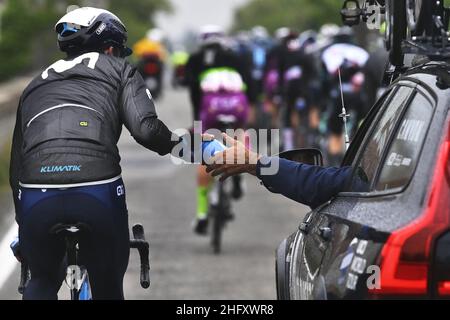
7	261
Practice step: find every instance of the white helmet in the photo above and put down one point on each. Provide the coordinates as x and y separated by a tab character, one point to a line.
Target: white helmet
211	34
91	29
282	33
156	35
259	33
329	30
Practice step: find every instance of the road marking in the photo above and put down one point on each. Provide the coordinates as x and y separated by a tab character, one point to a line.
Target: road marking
8	261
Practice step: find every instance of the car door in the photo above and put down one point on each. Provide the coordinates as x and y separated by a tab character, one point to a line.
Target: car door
311	241
308	245
359	221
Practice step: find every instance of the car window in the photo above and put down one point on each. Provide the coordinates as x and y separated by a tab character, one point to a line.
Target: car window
374	146
404	151
358	139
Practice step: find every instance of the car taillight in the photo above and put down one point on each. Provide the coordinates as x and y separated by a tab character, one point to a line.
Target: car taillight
444	288
406	256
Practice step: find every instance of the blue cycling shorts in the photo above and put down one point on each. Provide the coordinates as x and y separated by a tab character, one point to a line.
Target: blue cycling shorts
104	251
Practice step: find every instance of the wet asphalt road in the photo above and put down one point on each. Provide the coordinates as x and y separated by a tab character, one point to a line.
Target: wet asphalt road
161	196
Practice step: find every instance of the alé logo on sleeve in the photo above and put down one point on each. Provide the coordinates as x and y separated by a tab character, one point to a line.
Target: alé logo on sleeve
61	169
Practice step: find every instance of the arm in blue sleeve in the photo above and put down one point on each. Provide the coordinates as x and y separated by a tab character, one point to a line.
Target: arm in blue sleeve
309	185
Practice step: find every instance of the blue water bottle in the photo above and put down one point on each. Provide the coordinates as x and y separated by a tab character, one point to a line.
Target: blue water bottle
210	149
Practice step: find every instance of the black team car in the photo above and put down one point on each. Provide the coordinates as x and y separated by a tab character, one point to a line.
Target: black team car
388	237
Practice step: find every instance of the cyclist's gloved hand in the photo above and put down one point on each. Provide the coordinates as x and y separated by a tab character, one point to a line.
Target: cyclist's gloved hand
190	148
15	248
207	137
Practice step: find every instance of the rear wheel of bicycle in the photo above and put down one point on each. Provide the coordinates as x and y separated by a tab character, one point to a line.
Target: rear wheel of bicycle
396	30
84	291
417	13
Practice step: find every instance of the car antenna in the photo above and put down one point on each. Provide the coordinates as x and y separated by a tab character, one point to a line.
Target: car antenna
344	115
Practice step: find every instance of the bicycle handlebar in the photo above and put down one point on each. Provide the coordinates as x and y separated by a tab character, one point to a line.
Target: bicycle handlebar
142	246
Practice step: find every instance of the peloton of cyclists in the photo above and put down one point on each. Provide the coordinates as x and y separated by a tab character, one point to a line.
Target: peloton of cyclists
295	77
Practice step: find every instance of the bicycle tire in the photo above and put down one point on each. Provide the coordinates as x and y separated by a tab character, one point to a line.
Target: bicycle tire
72	283
217	228
84	291
417	16
396	30
218	223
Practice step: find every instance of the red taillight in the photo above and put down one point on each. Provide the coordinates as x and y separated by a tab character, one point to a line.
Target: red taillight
151	68
180	71
406	256
444	288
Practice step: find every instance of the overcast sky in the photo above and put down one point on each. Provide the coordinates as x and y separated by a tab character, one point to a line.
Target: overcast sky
192	14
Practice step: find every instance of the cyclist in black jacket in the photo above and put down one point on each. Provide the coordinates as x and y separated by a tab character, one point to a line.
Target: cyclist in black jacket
297	73
214	54
65	161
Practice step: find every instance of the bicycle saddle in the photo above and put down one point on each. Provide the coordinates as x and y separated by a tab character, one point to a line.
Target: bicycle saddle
69	229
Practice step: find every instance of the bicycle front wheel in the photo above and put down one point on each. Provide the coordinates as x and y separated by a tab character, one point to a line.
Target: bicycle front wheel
217	227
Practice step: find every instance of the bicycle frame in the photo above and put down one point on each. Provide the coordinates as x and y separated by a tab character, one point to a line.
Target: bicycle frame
430	38
77	277
434	42
353	13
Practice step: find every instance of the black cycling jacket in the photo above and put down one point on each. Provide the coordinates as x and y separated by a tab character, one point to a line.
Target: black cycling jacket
70	118
300	87
221	57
